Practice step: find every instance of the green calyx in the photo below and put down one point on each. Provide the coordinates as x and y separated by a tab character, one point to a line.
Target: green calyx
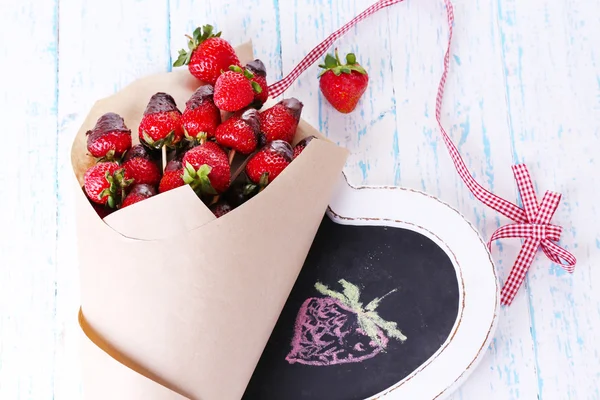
117	185
200	35
195	140
368	320
198	179
333	63
249	75
158	144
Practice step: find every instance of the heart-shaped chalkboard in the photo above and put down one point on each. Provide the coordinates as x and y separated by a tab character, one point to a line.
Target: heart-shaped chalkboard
397	299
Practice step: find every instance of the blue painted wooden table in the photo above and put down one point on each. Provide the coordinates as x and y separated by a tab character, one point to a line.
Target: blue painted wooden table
524	87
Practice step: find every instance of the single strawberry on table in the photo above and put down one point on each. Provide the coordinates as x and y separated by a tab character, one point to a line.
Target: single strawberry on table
208	55
201	116
343	84
338	329
235	89
105	183
257	67
280	122
140	166
206	169
240	132
138	192
172	176
269	162
161	122
109	138
301	145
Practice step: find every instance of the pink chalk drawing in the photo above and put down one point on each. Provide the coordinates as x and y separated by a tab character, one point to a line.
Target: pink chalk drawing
337	329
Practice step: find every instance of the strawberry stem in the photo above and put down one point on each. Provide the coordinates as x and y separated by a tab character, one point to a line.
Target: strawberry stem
231	155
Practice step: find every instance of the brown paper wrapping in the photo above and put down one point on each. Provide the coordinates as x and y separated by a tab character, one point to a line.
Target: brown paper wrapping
175	303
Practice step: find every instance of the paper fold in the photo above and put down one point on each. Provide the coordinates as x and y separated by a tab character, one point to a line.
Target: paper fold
189	299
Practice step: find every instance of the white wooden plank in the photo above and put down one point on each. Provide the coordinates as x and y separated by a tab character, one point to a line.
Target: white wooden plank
28	205
239	21
103	47
551	58
475	115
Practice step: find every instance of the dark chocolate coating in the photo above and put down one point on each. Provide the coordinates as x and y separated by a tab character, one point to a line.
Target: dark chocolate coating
161	102
109	122
203	93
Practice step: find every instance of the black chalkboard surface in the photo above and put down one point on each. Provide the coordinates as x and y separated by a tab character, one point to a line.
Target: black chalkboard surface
332	341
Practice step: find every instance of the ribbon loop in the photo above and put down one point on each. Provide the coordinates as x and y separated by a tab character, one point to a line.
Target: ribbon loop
532	222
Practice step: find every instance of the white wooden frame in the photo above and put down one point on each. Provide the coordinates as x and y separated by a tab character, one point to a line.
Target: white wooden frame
474	328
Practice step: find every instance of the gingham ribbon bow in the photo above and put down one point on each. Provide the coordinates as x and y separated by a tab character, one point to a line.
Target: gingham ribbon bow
532	222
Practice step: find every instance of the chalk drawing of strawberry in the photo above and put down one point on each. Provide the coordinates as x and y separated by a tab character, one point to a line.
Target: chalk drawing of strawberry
338	329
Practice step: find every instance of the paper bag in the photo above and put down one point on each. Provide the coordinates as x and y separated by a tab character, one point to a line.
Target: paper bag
176	304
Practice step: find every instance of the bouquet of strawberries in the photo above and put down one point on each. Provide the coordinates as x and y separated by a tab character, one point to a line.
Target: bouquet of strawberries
197	146
192	224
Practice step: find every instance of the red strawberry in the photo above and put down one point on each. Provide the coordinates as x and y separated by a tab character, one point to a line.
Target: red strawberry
221	208
110	138
140	166
206	169
161	123
343	85
268	163
240	132
259	70
208	55
235	89
281	121
102	209
301	145
337	329
172	176
105	183
138	193
201	117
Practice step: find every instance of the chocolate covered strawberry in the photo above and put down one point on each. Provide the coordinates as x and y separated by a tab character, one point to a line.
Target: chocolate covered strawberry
140	166
105	183
207	55
259	70
281	121
267	164
220	208
338	329
301	145
206	169
161	122
109	138
138	193
235	89
201	116
240	132
343	84
172	176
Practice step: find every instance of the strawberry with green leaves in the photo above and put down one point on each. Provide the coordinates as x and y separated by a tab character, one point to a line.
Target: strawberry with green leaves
207	55
138	193
105	183
161	122
240	132
343	84
235	89
140	166
201	117
280	122
257	67
269	162
206	169
172	176
109	138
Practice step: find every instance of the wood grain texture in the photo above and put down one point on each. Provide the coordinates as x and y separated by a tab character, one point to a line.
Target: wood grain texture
28	214
524	87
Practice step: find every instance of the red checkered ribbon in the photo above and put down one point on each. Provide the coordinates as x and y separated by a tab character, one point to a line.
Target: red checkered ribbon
531	223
